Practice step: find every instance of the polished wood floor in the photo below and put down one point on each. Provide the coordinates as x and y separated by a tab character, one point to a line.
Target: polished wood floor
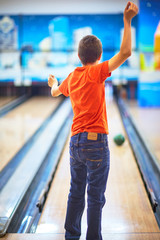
18	125
5	100
147	120
127	213
114	236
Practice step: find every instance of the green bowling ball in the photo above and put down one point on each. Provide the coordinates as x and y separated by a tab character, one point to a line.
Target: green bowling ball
119	139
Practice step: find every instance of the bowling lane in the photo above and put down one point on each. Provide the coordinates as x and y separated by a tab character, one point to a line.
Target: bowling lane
5	100
127	214
141	236
19	125
147	121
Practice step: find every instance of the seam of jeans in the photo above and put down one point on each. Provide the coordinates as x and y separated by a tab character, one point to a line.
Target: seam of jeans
87	143
90	143
92	160
92	150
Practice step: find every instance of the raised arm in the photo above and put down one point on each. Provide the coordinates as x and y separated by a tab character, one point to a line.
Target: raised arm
130	11
53	83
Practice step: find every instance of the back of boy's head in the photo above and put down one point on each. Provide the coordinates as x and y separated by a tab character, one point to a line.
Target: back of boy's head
90	49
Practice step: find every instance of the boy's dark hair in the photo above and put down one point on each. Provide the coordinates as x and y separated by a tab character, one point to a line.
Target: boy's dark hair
89	50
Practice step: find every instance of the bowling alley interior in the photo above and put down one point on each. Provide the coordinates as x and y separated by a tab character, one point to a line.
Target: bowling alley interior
39	38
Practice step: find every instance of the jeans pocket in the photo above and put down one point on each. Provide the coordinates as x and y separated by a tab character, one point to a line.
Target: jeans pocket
93	164
93	156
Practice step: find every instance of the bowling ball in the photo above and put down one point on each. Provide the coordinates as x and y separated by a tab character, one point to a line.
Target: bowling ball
119	139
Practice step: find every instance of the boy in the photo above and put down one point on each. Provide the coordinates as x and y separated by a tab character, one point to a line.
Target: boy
89	152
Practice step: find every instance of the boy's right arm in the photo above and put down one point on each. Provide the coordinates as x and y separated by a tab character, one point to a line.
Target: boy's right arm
130	11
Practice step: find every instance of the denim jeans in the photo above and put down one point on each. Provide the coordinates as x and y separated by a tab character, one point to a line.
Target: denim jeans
89	165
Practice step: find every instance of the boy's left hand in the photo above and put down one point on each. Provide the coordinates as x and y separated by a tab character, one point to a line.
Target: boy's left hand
130	11
52	80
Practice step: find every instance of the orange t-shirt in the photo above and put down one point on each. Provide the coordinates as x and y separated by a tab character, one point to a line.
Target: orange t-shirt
86	88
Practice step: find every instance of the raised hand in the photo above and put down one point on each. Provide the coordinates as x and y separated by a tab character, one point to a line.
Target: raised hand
130	11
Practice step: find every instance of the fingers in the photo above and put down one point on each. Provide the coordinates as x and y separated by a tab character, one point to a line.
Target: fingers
132	6
52	76
51	80
50	83
136	8
128	5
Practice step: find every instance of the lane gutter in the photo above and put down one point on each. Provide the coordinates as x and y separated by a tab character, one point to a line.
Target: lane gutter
29	212
10	168
13	104
44	153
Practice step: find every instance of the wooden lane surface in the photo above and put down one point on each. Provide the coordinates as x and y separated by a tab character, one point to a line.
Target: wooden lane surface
147	121
5	100
127	213
19	125
51	236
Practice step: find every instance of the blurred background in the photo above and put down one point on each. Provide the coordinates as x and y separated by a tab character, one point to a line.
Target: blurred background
39	38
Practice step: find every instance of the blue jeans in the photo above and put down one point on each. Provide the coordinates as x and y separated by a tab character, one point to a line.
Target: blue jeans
89	165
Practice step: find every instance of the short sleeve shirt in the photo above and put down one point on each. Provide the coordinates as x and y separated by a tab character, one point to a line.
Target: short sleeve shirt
86	88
